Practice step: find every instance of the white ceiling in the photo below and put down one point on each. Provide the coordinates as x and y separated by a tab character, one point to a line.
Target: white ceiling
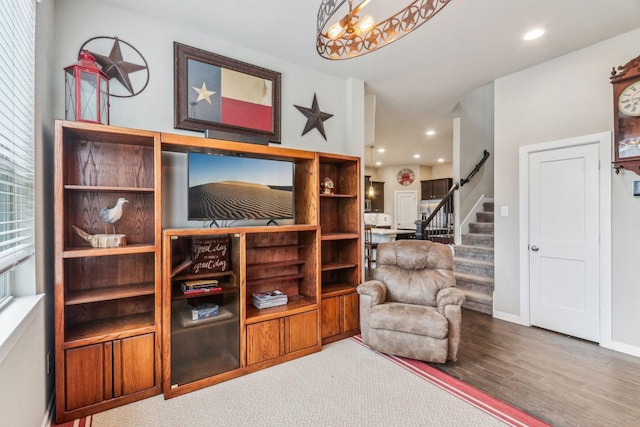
419	79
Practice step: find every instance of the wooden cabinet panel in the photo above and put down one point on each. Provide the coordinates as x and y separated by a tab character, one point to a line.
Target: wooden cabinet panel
340	316
84	376
330	317
263	341
351	304
100	372
301	331
137	364
274	338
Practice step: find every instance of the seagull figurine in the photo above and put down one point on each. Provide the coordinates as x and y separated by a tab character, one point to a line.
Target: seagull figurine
112	215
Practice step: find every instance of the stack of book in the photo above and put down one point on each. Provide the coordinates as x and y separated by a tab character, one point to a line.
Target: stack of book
269	299
200	286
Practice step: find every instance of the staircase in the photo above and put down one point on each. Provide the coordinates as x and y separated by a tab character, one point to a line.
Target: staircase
473	262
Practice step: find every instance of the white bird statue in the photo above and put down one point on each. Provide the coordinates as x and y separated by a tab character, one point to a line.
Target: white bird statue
112	215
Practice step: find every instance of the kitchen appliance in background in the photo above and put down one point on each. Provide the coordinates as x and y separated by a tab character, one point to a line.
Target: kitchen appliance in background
378	220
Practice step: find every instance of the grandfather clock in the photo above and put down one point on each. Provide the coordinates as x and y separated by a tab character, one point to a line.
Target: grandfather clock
626	106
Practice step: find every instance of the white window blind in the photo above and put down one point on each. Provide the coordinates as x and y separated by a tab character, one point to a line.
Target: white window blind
17	84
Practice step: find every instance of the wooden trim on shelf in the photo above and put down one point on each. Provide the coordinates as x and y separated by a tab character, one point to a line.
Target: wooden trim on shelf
111	293
339	236
110	329
125	250
96	188
335	265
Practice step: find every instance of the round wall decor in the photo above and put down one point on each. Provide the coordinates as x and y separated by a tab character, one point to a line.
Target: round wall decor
405	176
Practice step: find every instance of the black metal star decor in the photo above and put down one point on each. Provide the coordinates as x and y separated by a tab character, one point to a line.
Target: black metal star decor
114	65
315	117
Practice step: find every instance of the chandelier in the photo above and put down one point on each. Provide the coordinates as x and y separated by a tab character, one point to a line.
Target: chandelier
354	35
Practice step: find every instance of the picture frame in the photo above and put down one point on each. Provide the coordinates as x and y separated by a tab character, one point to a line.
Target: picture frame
219	95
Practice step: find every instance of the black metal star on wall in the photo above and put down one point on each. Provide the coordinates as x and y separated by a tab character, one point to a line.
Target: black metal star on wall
315	117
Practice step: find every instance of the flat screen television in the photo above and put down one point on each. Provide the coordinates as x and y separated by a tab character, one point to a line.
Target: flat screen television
227	187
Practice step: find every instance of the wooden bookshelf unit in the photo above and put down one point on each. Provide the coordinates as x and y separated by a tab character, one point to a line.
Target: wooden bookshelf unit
340	216
107	300
123	325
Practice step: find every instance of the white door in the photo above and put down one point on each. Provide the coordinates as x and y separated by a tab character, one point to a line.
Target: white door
563	240
406	209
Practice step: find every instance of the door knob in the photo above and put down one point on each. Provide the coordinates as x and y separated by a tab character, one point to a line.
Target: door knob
534	248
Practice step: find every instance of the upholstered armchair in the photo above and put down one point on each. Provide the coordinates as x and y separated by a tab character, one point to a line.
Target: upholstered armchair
411	307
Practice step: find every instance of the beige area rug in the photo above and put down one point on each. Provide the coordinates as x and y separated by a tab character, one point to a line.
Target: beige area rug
345	384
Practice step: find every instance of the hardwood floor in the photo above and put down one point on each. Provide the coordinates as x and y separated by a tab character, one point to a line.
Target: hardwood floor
561	380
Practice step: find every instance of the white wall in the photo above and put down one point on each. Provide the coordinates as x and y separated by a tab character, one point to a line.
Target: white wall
475	111
23	391
153	108
565	97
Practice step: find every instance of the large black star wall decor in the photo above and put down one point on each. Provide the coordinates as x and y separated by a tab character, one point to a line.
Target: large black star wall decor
114	65
315	117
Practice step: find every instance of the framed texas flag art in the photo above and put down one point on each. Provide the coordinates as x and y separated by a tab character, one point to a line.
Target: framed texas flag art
217	93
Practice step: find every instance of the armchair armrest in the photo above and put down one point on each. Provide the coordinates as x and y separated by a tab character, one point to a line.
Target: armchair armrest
374	289
449	296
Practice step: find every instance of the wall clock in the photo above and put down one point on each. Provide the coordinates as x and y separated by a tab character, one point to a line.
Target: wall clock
405	176
626	106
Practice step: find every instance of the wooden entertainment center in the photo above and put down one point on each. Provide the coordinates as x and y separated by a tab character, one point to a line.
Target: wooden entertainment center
121	330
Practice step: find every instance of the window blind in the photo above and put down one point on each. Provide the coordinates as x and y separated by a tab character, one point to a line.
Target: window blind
17	84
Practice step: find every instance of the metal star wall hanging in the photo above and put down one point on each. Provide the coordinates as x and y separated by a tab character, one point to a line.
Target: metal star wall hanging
114	65
315	117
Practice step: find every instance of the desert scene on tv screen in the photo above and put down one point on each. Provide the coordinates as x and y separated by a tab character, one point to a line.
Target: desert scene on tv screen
239	200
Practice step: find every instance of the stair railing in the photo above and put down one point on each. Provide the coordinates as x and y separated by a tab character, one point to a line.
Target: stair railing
439	225
475	170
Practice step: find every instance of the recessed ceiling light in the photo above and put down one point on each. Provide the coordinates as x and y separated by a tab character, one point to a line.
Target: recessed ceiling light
380	150
431	132
440	160
533	34
378	163
416	156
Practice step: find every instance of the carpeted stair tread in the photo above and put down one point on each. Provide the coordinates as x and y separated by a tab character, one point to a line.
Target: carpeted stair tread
477	239
481	228
485	217
475	283
483	306
473	252
473	266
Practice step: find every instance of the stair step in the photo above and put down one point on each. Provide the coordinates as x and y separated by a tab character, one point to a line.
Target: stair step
476	239
474	283
473	266
478	302
481	227
488	206
485	216
473	252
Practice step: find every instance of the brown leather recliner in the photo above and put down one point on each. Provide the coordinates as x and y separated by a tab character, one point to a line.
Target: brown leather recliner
411	307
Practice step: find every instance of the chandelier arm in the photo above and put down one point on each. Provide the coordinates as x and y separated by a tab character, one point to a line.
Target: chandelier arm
359	7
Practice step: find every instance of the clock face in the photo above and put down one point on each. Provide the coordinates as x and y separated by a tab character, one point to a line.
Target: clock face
405	176
629	100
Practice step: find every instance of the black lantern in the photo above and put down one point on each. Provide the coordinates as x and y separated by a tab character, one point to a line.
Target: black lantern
86	91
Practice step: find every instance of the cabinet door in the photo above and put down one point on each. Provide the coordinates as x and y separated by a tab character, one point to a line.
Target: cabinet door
441	187
301	331
263	341
134	365
426	188
330	317
85	374
351	312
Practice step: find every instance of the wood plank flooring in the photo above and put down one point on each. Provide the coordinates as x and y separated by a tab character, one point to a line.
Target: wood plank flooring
561	380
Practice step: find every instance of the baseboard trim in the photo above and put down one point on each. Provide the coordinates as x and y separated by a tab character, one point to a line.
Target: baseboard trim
510	318
621	347
48	415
